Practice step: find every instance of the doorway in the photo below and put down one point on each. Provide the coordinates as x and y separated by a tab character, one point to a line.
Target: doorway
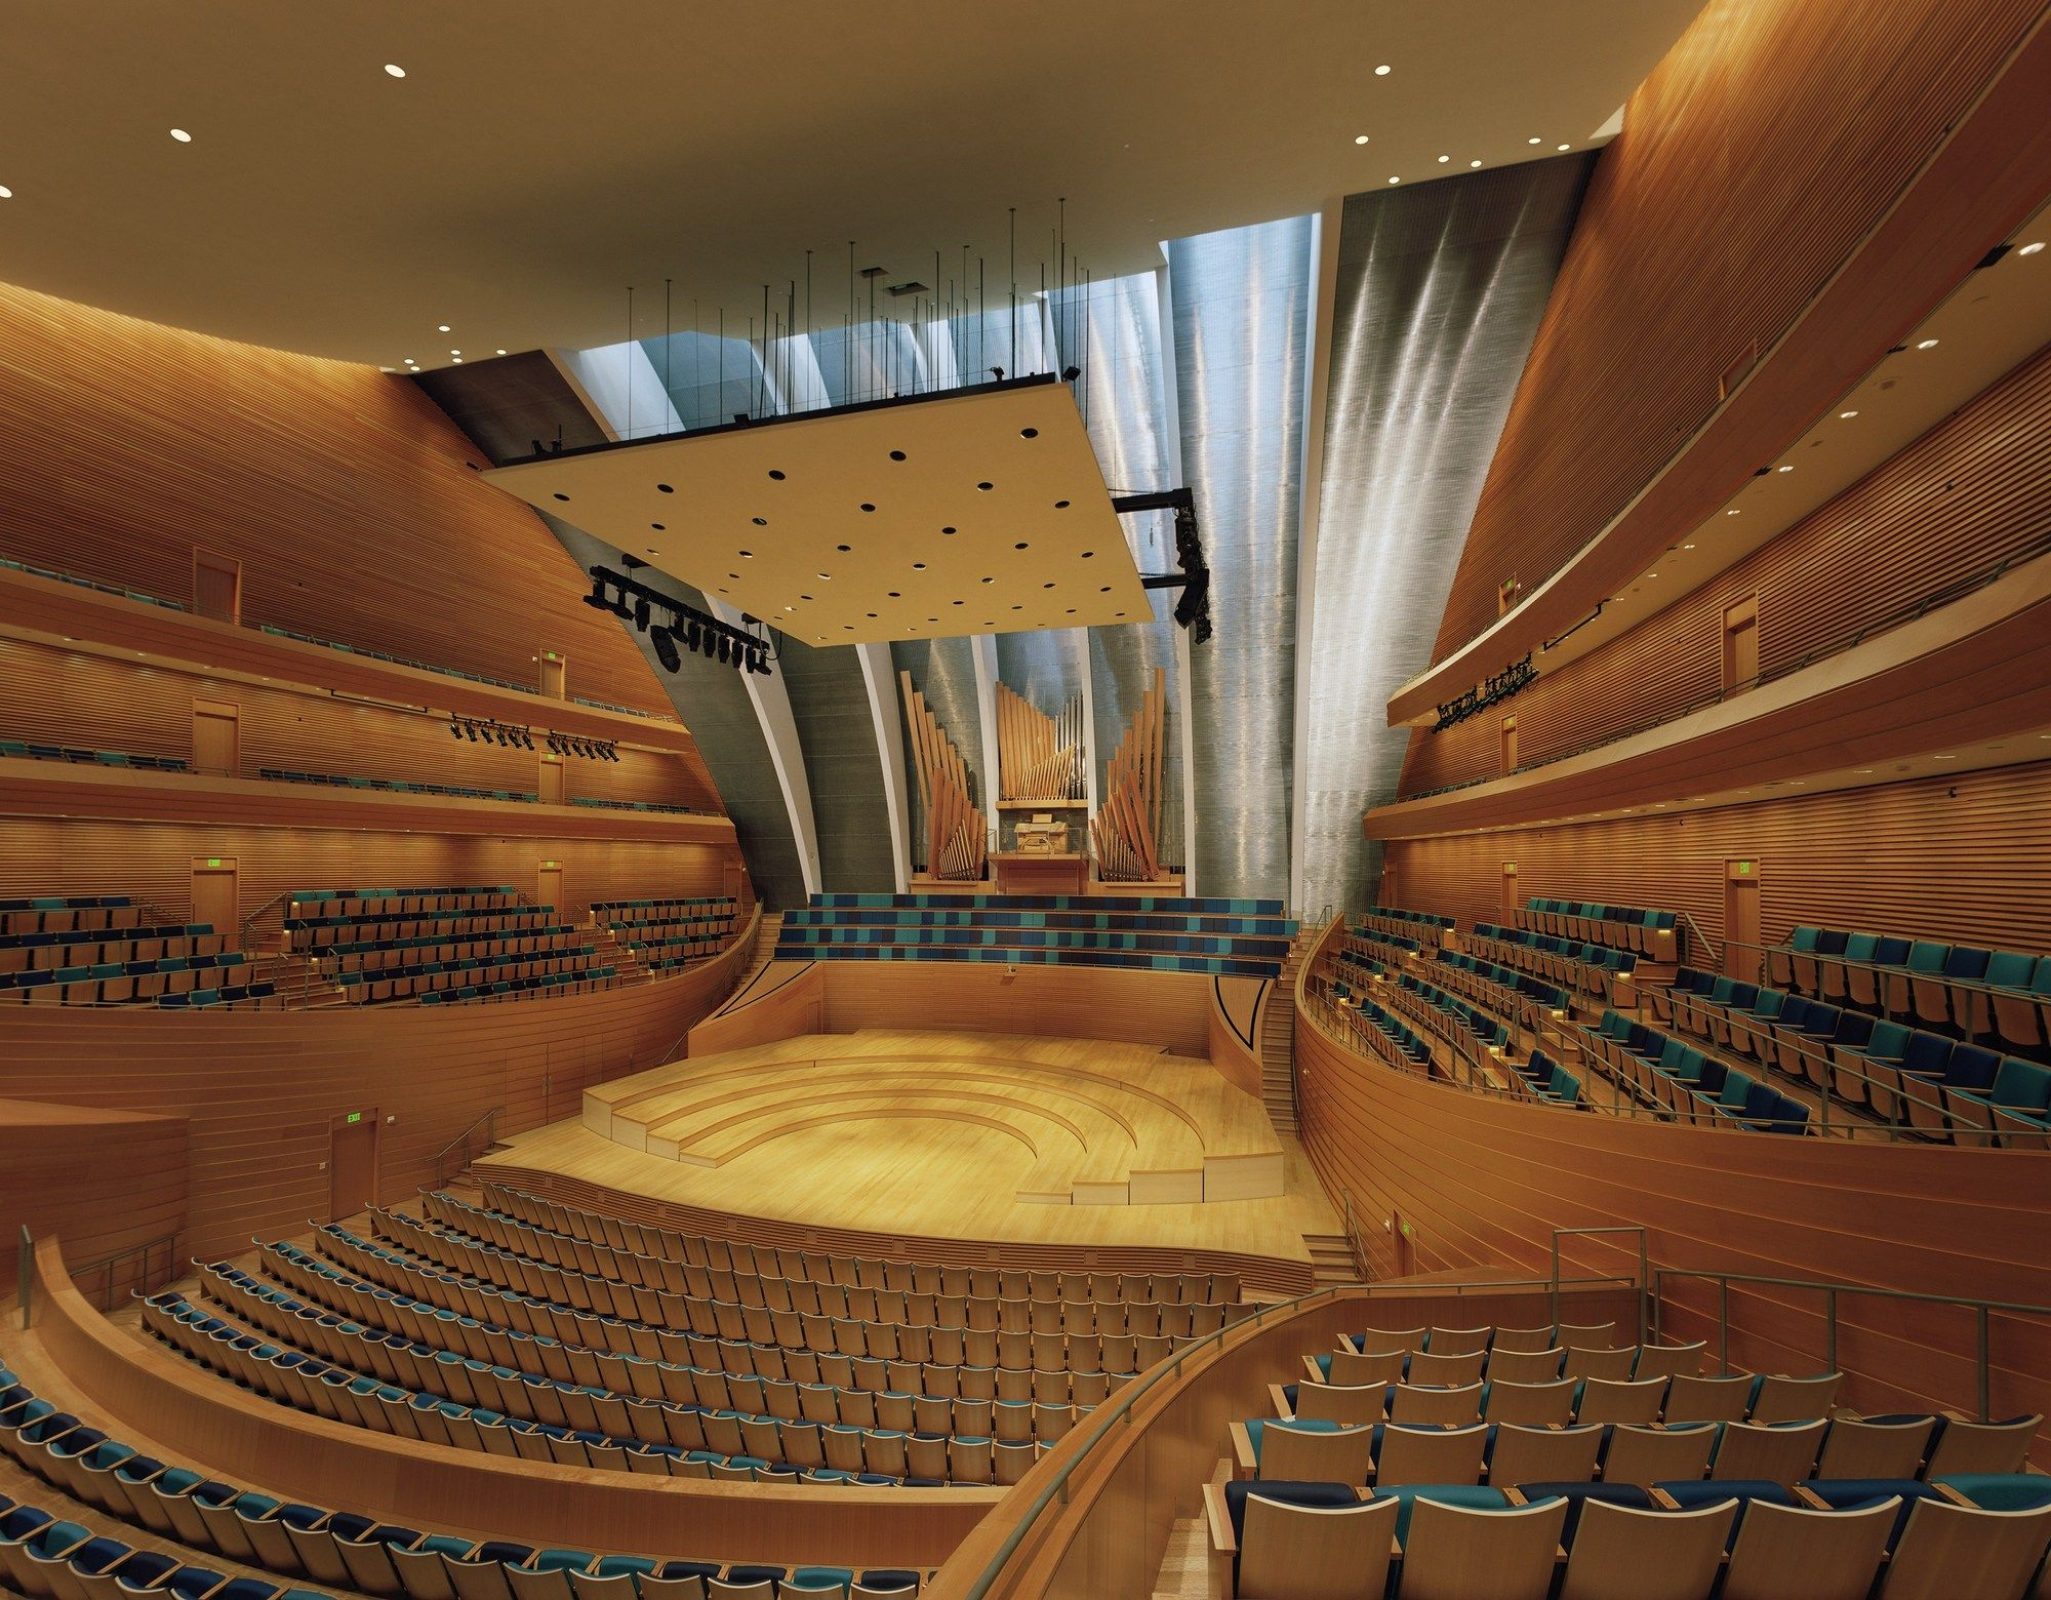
1741	646
216	738
216	586
555	669
1401	1247
548	885
1509	745
352	1164
552	787
1741	919
215	896
1508	906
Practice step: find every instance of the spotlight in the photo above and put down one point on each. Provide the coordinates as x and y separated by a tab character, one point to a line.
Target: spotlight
725	649
470	731
665	649
455	729
997	373
1070	374
691	635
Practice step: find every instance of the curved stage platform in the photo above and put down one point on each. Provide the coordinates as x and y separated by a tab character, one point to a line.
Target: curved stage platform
936	1145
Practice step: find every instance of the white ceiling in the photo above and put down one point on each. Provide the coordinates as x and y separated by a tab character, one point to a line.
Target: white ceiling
538	158
969	513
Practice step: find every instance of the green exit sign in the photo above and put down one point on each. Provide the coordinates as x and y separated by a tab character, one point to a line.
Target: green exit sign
213	861
1744	869
354	1116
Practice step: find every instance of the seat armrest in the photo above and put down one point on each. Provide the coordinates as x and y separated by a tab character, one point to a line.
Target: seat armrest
1242	1451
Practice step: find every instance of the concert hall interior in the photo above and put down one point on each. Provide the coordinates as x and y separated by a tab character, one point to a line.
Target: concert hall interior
1122	802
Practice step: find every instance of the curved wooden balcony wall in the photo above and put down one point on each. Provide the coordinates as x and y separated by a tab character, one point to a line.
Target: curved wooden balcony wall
1105	1538
150	1394
1478	1180
1767	186
1974	670
258	1091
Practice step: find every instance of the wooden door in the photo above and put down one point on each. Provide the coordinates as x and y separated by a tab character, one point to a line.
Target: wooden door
1509	745
216	586
1508	903
352	1164
1403	1247
215	897
548	885
216	738
1741	646
1741	920
555	672
553	788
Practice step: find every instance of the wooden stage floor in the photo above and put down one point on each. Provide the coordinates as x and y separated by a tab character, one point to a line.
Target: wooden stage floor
1074	1144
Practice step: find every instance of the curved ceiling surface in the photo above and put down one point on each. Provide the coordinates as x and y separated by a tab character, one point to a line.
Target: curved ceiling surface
535	160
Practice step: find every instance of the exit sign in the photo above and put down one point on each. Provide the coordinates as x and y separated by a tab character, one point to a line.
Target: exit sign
213	861
354	1116
1744	869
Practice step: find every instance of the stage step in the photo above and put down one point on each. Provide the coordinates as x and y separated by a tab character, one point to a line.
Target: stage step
1331	1259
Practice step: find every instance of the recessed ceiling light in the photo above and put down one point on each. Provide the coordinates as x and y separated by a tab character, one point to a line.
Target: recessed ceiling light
498	352
1651	574
1865	772
1944	758
441	327
1534	139
1395	180
1732	512
1474	163
827	576
1566	147
455	361
1687	547
1444	159
1382	71
1360	138
1846	416
407	359
181	136
1788	467
455	352
385	369
1926	344
2031	248
5	192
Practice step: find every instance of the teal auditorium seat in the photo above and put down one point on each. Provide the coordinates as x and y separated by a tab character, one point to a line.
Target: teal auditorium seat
1235	938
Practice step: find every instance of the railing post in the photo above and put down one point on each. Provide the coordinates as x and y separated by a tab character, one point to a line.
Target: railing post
1644	1284
25	1275
1985	1414
1723	1322
1830	1330
1553	1296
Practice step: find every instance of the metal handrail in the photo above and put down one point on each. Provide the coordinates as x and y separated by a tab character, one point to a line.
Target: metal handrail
105	1265
1695	930
25	1275
1120	1407
256	916
1830	1292
1839	959
463	1140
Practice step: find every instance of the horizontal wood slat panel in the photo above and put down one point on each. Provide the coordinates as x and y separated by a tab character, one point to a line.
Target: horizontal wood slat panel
1753	161
108	1181
260	1090
1974	491
1965	859
349	498
1486	1182
43	855
77	697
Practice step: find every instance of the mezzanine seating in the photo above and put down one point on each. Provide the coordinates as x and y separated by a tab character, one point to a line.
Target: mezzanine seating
392	785
671	933
96	950
2002	997
1944	1088
1425	927
1652	934
1688	1084
1234	938
22	750
41	1552
1599	972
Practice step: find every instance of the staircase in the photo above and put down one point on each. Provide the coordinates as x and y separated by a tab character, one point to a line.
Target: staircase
609	950
765	947
300	987
1278	1037
1331	1259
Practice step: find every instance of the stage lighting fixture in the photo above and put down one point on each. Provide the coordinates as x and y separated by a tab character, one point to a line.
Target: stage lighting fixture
725	649
665	649
691	635
1068	375
455	730
470	731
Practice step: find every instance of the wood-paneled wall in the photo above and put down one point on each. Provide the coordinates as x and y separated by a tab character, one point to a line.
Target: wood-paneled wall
261	1090
349	498
1753	160
107	1181
1170	1009
1965	859
74	696
153	861
1480	1181
1974	491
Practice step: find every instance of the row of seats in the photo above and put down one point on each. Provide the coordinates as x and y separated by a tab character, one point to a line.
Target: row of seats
68	913
577	963
1942	1087
1964	990
713	1251
987	916
1596	970
335	1547
1543	1078
1509	990
586	980
313	936
1426	927
1387	1034
481	1382
90	583
808	939
1649	933
638	805
668	1364
1982	1537
824	1332
320	905
942	900
372	955
166	981
632	1436
22	750
335	780
69	947
1481	1030
1666	1071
